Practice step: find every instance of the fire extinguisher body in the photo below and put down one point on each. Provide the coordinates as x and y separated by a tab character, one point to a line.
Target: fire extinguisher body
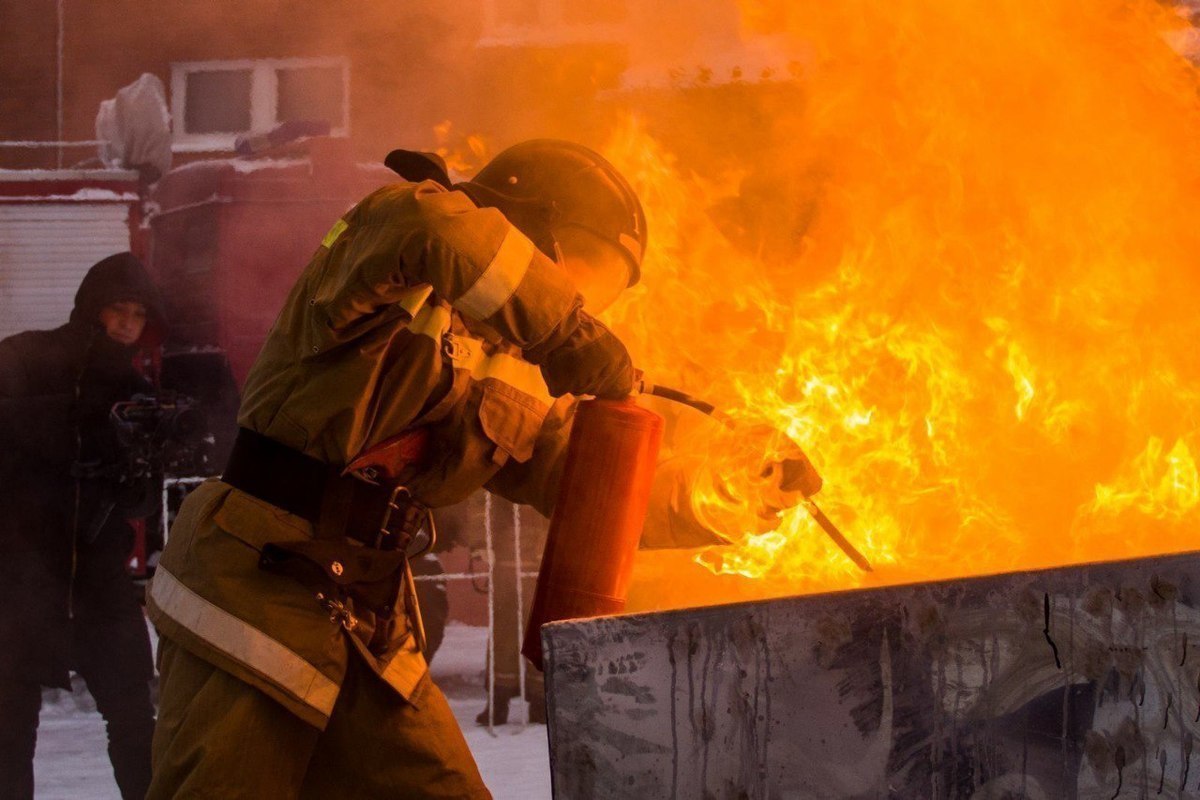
598	517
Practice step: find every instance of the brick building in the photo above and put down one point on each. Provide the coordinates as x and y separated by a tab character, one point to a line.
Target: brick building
382	72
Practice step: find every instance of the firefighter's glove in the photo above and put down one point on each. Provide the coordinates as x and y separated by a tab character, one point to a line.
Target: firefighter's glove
589	360
797	474
786	479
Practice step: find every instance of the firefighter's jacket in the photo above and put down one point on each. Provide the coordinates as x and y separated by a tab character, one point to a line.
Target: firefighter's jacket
414	312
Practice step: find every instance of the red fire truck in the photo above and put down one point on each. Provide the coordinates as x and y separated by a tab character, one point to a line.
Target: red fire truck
226	239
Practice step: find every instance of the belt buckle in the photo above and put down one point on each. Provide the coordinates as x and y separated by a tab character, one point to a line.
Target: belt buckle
388	511
454	348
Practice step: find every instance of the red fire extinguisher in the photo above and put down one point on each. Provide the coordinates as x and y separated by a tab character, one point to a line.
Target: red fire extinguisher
597	520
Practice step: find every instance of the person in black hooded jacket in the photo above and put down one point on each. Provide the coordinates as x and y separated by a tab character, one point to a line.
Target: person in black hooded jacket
66	600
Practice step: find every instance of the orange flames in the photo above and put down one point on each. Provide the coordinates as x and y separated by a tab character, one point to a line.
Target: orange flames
464	153
965	284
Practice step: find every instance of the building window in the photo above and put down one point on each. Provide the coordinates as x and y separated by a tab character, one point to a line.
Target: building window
217	101
553	22
212	102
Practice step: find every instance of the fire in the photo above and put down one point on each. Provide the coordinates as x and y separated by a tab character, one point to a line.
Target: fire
1157	484
981	321
464	153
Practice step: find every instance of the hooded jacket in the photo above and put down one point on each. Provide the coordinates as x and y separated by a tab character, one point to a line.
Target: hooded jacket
55	387
112	280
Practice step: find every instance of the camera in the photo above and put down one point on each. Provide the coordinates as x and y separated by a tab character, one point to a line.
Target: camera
149	436
163	433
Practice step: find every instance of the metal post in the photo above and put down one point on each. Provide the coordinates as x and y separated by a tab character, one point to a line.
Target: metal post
167	483
61	20
518	563
491	599
163	513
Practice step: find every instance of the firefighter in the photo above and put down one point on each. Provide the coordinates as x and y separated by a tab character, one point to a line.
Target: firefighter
431	347
68	602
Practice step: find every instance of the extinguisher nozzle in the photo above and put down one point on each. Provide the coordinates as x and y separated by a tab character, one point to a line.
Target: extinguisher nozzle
838	538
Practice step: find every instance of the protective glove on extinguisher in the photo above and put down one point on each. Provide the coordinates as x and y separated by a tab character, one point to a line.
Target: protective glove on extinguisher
583	357
789	477
782	480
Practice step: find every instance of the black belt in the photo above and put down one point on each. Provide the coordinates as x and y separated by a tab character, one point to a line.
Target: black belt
336	504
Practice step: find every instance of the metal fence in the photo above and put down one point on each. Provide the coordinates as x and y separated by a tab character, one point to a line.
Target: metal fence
35	145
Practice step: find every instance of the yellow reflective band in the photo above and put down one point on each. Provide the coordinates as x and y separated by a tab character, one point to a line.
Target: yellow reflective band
468	354
243	642
414	298
431	321
337	230
496	284
515	372
406	669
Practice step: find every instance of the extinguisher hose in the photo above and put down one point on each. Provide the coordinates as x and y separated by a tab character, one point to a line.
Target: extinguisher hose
677	396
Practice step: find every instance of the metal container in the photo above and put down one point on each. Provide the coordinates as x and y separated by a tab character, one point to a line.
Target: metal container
1080	681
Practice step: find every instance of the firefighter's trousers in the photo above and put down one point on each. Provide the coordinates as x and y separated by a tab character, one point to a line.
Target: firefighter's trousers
219	737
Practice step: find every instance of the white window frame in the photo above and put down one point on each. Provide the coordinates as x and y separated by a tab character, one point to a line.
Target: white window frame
548	29
264	97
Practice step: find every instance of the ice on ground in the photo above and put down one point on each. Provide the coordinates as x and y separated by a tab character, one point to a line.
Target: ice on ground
72	758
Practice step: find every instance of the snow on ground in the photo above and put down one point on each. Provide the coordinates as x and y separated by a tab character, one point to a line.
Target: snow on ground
72	759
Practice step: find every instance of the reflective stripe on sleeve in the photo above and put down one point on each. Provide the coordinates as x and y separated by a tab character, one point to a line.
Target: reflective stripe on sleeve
431	321
414	298
243	642
496	284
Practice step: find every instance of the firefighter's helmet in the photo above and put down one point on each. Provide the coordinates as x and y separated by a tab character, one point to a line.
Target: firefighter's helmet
545	186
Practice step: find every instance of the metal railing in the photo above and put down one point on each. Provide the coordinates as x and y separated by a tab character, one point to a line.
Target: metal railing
519	576
60	146
32	145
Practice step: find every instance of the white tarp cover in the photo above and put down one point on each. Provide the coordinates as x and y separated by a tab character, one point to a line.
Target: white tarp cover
136	127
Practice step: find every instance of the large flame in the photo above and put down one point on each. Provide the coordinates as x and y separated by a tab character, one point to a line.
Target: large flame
966	285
